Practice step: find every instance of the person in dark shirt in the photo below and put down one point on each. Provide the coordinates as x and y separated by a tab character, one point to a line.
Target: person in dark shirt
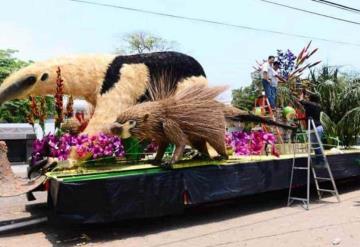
313	109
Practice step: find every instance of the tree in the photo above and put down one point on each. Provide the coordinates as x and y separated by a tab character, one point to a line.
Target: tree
142	42
244	97
9	64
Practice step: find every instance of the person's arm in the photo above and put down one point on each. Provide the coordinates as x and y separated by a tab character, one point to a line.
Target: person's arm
306	103
280	78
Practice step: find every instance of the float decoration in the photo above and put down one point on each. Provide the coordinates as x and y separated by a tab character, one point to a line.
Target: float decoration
251	143
37	111
59	99
84	146
11	185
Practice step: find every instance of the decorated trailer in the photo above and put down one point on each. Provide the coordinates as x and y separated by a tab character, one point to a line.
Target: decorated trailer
110	193
155	142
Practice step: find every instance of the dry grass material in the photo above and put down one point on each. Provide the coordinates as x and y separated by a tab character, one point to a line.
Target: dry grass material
11	185
191	116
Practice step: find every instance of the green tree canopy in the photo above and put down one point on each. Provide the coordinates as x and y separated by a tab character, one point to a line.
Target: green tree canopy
9	63
142	42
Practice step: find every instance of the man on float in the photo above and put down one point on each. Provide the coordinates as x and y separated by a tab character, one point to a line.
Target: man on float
267	73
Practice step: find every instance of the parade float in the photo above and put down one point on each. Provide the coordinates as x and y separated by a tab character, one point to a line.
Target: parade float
156	140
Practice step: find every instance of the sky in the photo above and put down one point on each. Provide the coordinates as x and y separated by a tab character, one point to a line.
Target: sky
42	29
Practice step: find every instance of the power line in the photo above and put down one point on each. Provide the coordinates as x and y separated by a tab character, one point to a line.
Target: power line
311	12
339	6
212	22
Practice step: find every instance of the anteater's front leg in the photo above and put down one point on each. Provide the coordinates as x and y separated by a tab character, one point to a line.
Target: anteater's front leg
175	135
178	153
160	152
179	150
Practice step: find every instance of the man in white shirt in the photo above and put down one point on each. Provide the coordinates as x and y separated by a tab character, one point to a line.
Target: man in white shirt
267	73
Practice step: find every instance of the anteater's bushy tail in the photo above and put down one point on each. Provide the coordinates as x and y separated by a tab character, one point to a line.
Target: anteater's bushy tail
198	97
206	94
199	92
197	111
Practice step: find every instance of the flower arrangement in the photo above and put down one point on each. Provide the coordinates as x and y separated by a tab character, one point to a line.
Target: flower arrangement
300	60
291	66
250	143
37	111
59	99
287	63
86	147
152	147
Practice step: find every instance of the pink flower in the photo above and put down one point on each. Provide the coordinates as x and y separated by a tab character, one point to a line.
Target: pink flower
96	146
247	143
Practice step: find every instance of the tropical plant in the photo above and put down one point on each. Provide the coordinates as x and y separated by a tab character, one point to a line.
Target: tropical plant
340	101
291	69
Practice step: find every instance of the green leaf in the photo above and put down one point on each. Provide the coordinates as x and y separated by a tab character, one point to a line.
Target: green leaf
328	125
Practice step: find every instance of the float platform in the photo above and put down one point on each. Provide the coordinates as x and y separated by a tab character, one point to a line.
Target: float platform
116	192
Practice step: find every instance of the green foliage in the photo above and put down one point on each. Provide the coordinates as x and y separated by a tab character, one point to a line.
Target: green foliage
142	42
285	96
50	106
244	97
14	111
323	74
340	101
9	64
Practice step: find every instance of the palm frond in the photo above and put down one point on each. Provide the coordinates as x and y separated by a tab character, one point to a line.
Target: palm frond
351	96
349	126
285	96
329	126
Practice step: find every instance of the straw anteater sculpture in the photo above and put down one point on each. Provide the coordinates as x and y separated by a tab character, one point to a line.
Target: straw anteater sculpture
110	83
191	116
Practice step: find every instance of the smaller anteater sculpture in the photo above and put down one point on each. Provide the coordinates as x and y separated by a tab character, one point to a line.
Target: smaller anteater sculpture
189	117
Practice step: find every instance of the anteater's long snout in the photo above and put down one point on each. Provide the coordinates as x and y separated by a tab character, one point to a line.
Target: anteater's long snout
13	90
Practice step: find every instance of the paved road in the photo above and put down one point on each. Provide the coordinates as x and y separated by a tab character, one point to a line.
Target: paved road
251	221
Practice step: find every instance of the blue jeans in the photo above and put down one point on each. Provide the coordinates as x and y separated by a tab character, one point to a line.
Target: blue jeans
315	144
273	96
270	92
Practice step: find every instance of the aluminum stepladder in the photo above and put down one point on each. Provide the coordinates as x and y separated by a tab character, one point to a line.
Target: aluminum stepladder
312	168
